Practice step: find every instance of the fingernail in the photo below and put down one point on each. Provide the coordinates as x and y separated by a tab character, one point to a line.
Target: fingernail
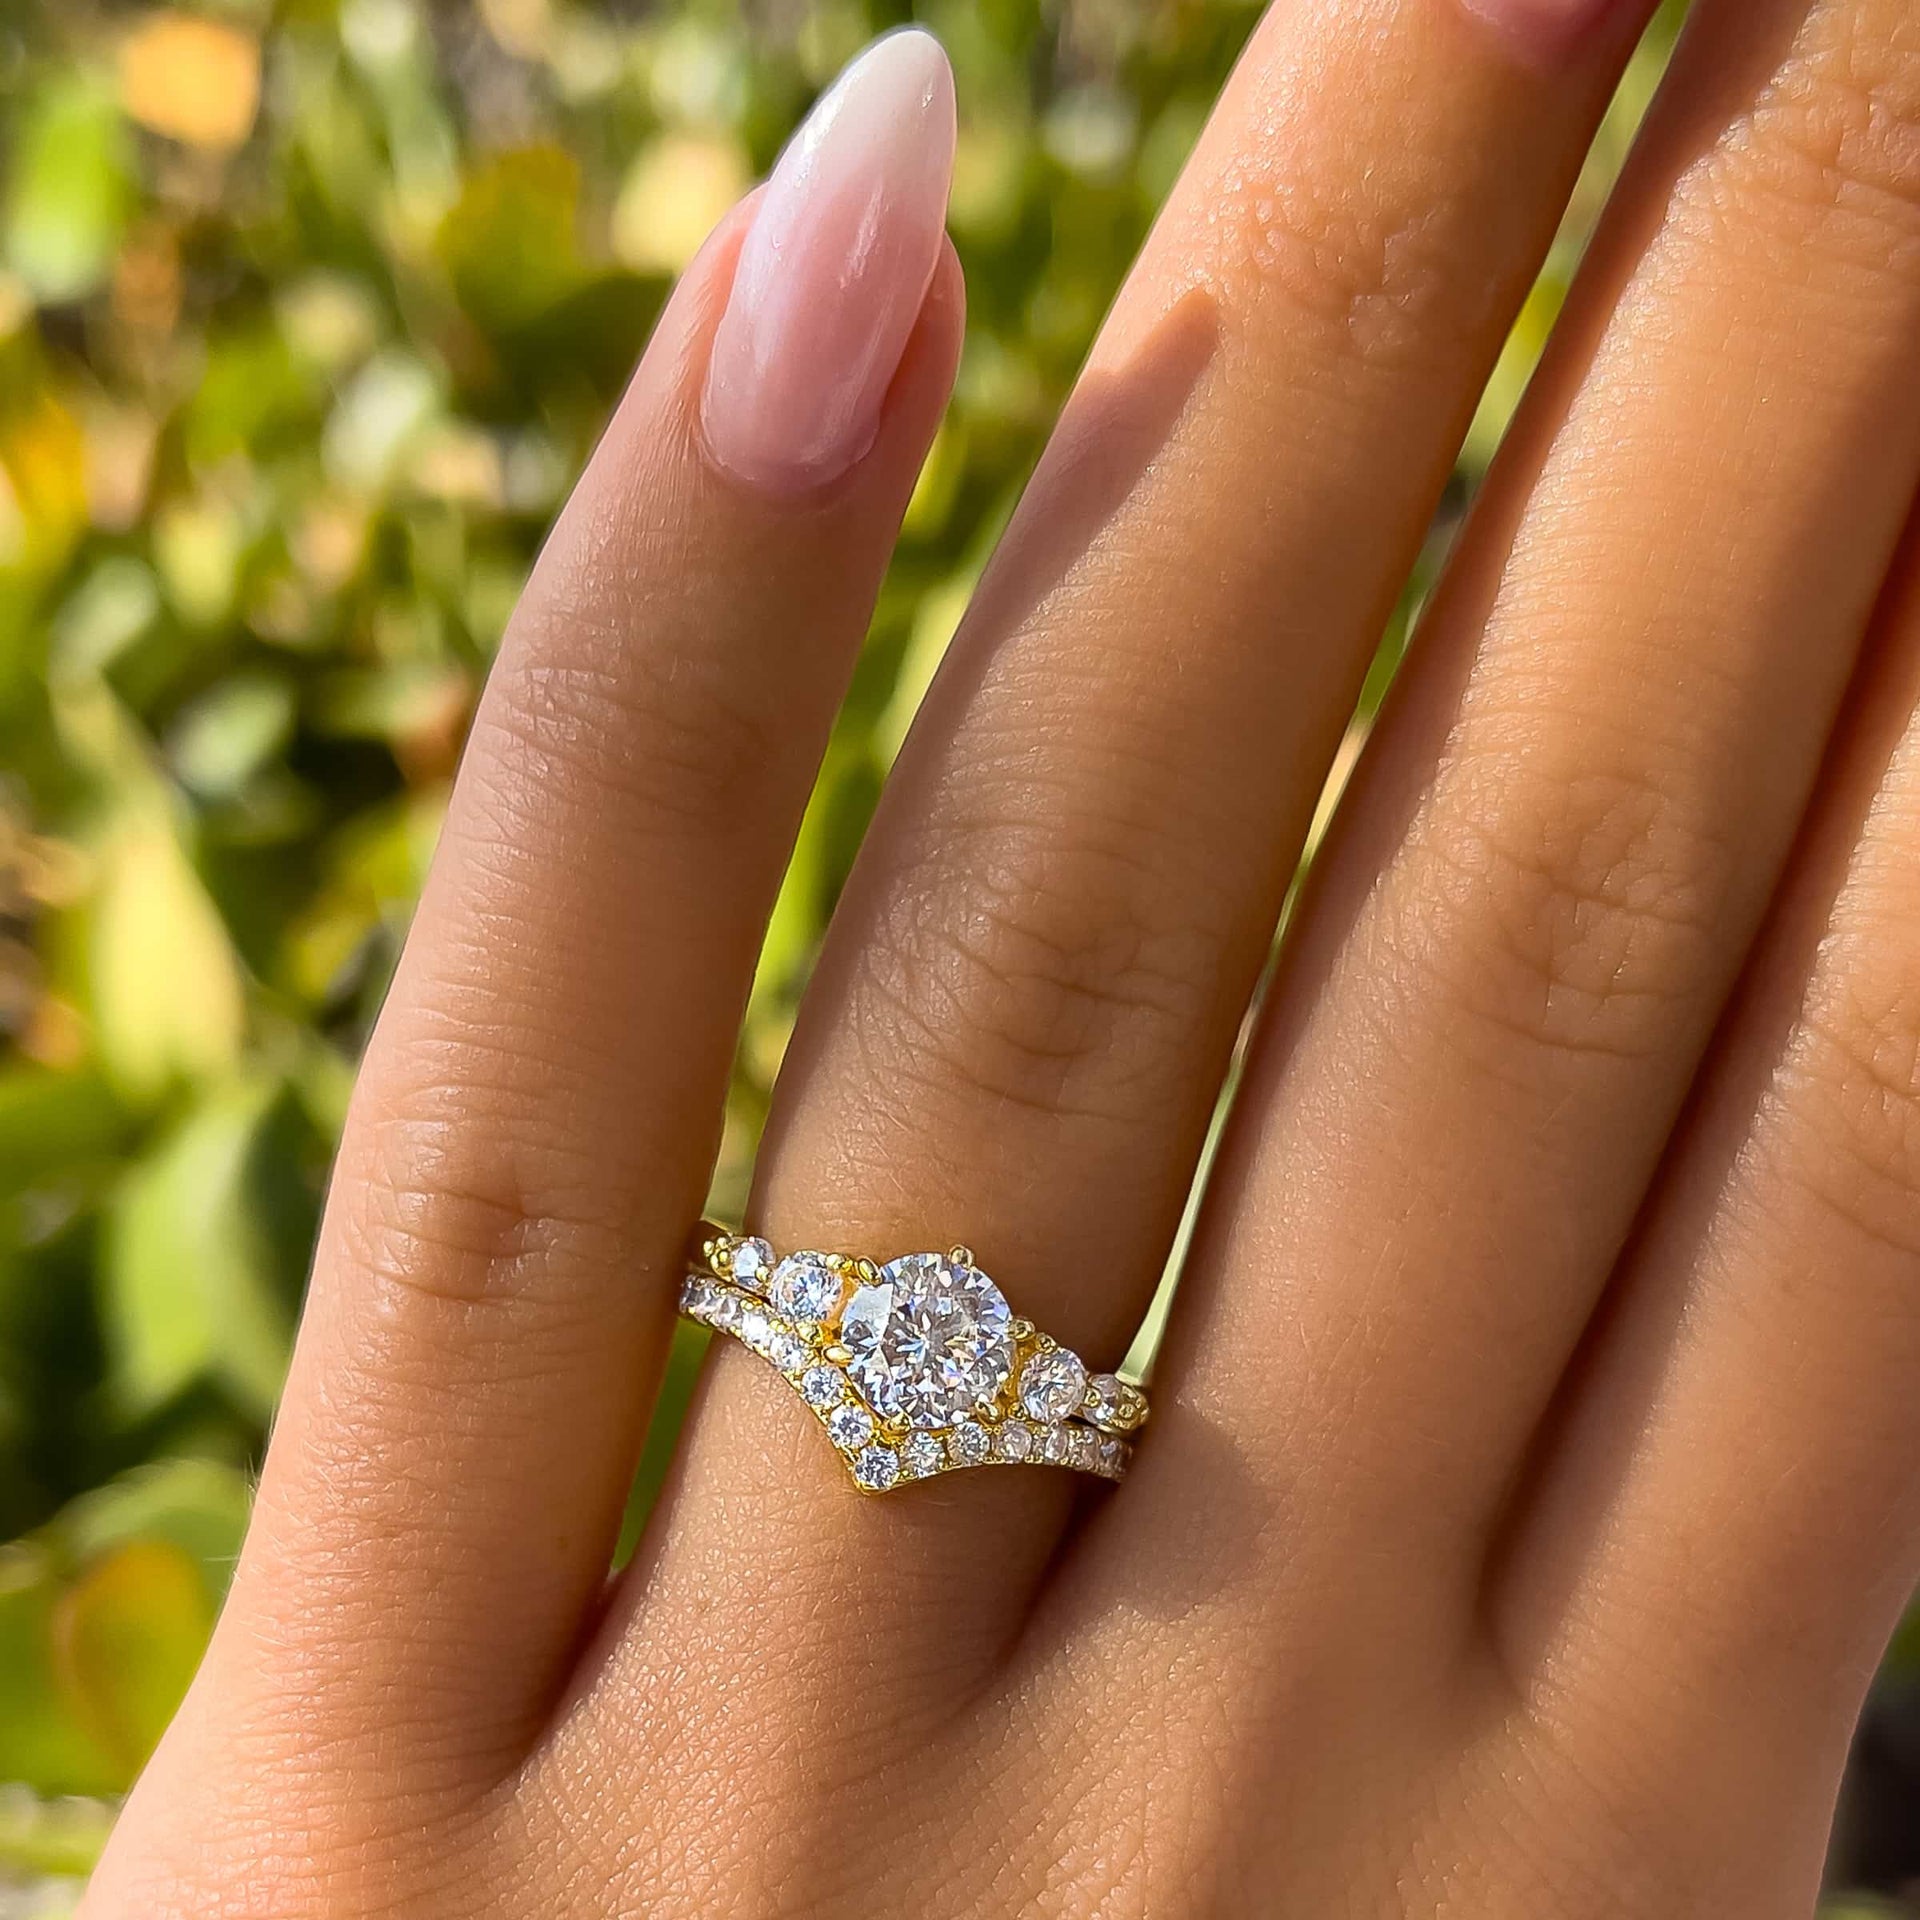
1546	27
834	270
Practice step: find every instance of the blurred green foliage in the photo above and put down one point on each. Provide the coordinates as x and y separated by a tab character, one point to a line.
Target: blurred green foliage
309	311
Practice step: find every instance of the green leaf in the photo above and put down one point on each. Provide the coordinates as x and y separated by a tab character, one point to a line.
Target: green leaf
199	1506
189	1267
232	733
51	1123
509	243
71	189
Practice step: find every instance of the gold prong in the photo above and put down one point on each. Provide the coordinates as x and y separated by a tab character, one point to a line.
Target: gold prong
839	1355
960	1256
1024	1330
867	1271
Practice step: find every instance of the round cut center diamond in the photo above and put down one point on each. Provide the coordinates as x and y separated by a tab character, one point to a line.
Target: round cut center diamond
929	1340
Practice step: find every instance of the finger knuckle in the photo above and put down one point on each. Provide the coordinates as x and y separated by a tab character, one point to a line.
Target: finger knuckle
1576	914
1372	282
1015	969
461	1190
1854	1075
669	731
1835	134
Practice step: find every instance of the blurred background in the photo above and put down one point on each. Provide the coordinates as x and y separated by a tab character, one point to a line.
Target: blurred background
309	312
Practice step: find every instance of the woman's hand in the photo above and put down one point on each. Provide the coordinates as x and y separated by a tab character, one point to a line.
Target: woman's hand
1531	1487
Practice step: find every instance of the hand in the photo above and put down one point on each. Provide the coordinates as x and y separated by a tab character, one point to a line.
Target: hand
1530	1490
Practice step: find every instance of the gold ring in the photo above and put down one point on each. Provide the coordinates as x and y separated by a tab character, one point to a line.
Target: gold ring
917	1367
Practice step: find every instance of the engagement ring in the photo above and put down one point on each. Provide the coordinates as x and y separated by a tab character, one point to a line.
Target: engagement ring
916	1367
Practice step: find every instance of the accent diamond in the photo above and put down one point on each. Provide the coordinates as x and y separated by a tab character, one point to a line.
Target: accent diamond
877	1468
1056	1448
930	1340
806	1288
970	1443
822	1386
1113	1404
923	1454
752	1262
1053	1384
850	1426
1014	1441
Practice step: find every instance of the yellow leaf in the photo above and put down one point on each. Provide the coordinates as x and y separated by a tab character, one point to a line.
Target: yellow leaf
194	80
167	998
44	453
127	1636
674	194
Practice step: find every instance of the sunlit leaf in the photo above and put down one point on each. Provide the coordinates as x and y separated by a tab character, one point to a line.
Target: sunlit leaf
167	999
193	79
674	194
197	546
70	190
56	1837
381	415
232	733
191	1289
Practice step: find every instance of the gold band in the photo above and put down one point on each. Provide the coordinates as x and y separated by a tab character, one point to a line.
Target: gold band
915	1368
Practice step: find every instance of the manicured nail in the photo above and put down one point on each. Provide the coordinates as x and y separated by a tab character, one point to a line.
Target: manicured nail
833	273
1545	28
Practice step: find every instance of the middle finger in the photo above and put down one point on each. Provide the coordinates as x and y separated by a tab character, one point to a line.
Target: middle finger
1029	995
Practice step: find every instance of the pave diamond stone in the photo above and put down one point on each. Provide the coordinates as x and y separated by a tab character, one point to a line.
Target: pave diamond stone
1056	1448
970	1443
1014	1441
877	1468
821	1386
923	1454
850	1426
752	1262
930	1339
787	1350
1052	1385
806	1288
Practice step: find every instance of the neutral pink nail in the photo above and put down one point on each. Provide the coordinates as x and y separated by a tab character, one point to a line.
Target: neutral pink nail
1548	26
834	271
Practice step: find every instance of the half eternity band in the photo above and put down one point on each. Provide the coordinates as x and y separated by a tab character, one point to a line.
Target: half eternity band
914	1368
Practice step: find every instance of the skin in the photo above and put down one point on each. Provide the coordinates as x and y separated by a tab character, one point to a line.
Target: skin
1529	1491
